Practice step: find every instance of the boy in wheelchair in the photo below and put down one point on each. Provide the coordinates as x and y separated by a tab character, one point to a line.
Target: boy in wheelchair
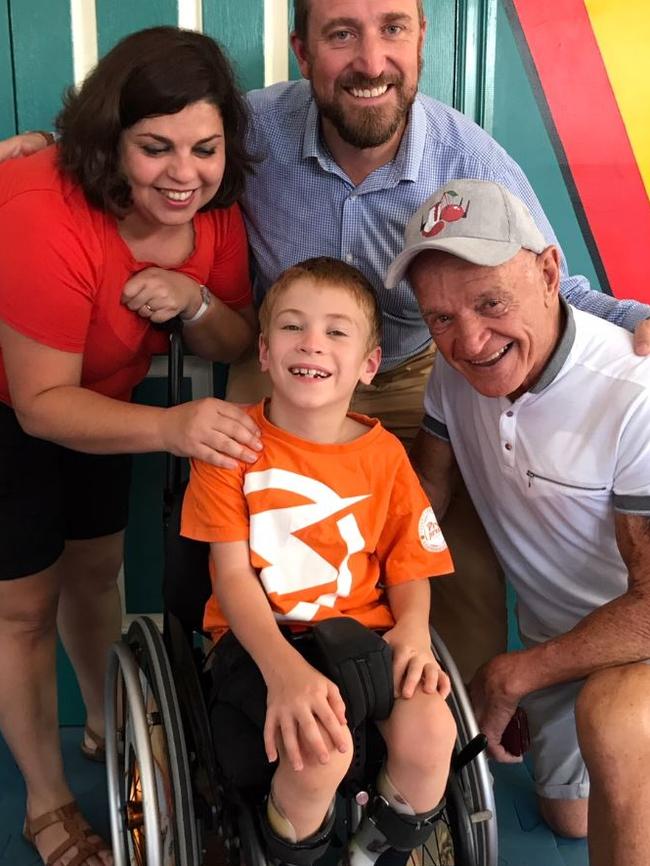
330	522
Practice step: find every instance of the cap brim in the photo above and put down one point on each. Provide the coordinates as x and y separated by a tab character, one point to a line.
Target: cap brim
478	251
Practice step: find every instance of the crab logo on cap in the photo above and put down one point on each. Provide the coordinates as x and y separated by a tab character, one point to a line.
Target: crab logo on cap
444	211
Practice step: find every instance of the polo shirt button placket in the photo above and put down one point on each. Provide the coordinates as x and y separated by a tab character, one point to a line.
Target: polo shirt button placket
507	432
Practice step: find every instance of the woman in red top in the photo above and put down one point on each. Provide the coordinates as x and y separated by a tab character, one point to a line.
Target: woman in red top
129	222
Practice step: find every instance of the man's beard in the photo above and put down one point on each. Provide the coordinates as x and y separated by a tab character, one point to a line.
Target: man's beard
367	126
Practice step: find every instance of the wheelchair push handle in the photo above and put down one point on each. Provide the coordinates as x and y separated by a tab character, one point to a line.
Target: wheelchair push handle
174	385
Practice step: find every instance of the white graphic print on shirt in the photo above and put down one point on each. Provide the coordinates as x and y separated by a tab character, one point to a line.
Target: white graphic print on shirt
294	565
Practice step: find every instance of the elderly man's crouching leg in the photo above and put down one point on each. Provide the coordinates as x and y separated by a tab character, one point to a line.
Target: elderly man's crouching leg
613	721
608	795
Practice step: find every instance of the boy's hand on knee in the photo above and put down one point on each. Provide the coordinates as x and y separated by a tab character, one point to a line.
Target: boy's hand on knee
303	706
414	664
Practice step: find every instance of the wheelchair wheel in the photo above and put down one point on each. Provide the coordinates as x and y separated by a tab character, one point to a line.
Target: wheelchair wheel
470	812
151	804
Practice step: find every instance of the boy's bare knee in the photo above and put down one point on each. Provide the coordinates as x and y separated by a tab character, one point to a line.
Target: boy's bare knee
566	818
316	777
422	732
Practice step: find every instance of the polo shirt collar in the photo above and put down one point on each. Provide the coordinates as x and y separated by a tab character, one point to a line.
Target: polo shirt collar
408	158
560	353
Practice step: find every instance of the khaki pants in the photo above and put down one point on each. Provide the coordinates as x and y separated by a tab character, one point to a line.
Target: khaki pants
468	608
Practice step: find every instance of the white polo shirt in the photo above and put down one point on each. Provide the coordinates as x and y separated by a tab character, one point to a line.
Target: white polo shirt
547	471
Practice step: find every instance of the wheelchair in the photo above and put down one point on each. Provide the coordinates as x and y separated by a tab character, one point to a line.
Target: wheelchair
168	802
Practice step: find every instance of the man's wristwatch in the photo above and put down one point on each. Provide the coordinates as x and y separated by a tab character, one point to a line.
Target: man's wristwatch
206	299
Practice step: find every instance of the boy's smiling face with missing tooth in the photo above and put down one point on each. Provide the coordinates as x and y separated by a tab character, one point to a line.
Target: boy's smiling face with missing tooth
316	348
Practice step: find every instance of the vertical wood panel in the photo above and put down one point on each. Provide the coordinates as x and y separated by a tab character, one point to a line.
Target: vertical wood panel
294	72
439	50
7	103
42	44
475	59
238	25
117	18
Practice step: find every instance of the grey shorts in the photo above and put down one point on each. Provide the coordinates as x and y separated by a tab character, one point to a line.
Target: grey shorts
558	769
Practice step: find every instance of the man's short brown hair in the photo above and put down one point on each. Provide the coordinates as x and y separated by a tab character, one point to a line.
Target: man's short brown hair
301	17
334	273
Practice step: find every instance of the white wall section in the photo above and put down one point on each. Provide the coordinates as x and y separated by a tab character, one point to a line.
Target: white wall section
276	41
190	14
83	20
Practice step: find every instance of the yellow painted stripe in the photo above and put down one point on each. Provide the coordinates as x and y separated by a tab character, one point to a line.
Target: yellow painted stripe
622	30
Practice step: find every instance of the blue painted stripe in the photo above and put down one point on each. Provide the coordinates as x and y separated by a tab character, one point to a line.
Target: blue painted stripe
239	28
439	52
42	44
117	18
7	95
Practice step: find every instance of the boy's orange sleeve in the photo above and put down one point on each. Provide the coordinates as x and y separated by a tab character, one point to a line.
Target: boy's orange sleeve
214	506
411	545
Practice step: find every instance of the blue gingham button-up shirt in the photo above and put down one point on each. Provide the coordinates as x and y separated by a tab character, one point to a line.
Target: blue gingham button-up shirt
299	203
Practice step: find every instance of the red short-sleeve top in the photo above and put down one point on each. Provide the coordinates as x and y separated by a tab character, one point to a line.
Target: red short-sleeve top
63	266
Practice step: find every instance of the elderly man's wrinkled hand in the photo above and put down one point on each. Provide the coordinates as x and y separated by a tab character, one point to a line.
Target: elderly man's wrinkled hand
642	337
494	705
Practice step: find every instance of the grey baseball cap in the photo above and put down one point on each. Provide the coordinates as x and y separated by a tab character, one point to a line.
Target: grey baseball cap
477	220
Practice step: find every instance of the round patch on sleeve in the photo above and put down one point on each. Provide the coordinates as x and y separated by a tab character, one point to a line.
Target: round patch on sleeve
431	536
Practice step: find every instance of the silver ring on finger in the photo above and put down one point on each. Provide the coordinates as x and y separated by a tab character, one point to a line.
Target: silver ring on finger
147	307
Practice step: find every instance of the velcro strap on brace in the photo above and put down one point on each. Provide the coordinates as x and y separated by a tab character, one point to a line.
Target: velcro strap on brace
402	832
303	853
360	662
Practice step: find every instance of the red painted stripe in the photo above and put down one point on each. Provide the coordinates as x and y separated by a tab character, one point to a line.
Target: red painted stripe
586	115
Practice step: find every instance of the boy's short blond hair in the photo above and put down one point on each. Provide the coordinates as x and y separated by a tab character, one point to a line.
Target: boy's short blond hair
322	271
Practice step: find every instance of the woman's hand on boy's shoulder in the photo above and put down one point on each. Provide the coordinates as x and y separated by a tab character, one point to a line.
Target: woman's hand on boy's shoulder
414	663
213	430
304	710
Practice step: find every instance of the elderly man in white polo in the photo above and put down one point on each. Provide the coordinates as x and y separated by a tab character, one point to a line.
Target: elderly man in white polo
545	410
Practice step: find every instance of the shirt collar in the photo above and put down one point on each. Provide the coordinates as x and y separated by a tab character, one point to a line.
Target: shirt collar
408	159
561	351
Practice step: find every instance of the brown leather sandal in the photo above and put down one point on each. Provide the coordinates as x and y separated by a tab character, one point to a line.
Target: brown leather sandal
96	752
78	832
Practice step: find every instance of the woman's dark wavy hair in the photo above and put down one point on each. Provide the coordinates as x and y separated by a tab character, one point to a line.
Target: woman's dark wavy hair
152	72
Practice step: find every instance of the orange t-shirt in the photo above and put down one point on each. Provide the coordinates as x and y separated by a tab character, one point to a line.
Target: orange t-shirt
328	525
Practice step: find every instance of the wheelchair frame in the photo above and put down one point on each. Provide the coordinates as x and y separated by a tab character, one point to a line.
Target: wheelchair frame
165	797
